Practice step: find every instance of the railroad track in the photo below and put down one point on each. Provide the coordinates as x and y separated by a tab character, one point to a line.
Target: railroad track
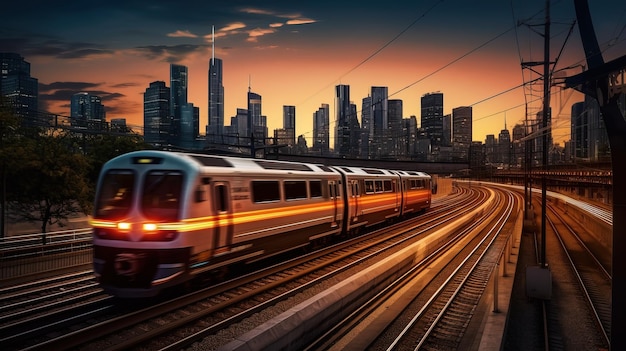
592	278
44	305
185	319
430	312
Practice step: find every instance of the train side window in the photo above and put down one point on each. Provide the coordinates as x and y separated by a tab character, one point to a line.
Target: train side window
295	189
378	186
265	191
331	190
315	188
387	186
369	186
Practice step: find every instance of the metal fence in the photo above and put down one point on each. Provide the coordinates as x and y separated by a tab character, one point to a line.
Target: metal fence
24	255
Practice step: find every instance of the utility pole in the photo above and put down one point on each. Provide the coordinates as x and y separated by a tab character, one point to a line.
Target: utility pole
544	128
602	81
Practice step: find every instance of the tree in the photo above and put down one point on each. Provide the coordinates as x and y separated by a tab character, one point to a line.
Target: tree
48	180
8	127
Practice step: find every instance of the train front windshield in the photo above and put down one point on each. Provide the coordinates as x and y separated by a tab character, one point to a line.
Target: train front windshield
115	197
160	196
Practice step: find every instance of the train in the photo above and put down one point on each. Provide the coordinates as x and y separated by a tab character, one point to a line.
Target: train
163	218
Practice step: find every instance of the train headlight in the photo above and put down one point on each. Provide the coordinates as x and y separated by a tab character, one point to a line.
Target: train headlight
123	226
149	227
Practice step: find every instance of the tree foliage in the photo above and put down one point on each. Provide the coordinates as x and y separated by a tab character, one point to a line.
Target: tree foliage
47	180
49	175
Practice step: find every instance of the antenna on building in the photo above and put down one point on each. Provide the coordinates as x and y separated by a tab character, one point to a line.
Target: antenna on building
212	45
249	82
504	119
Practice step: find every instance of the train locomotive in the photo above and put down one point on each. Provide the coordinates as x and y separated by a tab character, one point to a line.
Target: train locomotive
162	218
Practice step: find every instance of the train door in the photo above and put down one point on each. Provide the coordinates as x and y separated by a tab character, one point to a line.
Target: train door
404	189
333	193
222	210
397	188
355	196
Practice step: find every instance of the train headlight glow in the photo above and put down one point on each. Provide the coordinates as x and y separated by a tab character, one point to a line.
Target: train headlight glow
123	226
149	227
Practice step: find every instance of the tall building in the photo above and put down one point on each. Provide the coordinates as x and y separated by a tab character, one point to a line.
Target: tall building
215	126
367	127
599	149
321	130
355	133
342	119
178	98
461	132
394	139
19	88
518	145
87	111
504	147
256	123
491	147
588	132
537	142
447	130
380	118
189	125
579	134
156	112
236	134
289	125
409	142
432	117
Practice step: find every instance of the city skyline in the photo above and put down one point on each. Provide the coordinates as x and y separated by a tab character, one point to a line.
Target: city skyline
295	54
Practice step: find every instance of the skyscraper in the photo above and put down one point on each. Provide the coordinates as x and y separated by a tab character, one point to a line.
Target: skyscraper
156	112
580	131
342	119
518	145
215	127
256	122
289	125
394	137
367	128
189	125
178	98
321	130
432	117
87	111
18	87
380	118
461	132
504	146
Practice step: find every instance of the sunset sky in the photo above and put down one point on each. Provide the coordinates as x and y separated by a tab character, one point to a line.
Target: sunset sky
295	52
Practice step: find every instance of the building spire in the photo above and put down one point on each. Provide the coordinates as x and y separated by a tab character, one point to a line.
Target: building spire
212	45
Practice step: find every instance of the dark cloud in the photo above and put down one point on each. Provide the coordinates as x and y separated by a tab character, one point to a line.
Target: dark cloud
60	93
170	53
38	45
69	86
125	85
